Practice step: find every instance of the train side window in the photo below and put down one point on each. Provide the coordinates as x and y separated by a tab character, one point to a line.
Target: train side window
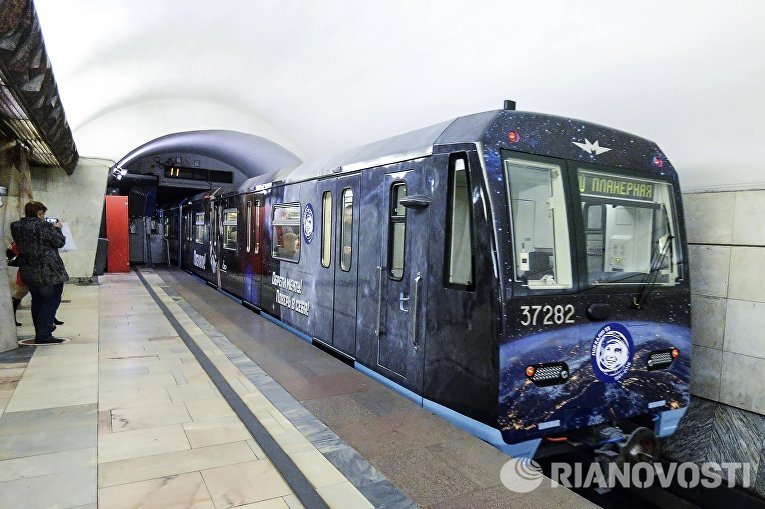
285	237
249	226
459	234
257	227
396	231
229	229
199	227
540	224
346	231
326	229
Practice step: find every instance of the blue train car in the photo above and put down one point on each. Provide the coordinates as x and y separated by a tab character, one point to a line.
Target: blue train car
522	274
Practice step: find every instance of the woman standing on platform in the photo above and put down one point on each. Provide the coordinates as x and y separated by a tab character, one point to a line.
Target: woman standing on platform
41	267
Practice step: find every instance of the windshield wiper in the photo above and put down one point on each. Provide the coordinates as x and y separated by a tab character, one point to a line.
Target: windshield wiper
665	246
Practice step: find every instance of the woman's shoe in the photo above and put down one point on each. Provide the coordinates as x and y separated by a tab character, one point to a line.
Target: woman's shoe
16	303
56	321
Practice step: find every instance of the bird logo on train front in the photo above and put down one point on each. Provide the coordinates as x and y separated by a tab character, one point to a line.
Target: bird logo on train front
308	223
612	351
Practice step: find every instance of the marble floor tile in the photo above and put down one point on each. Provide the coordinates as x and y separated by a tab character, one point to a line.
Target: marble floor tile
136	382
205	409
173	463
47	442
293	502
343	496
216	431
141	442
52	398
47	419
245	483
274	503
67	489
192	392
61	382
317	469
148	416
133	398
47	464
185	491
61	370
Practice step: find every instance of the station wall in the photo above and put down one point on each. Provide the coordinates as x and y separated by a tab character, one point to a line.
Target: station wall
77	200
726	233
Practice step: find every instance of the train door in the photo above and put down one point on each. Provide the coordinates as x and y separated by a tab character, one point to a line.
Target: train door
253	264
232	246
346	234
187	240
216	233
323	307
396	260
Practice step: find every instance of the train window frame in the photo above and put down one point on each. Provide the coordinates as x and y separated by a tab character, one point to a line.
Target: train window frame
200	228
393	220
449	238
227	225
346	263
676	278
281	223
249	225
326	229
561	262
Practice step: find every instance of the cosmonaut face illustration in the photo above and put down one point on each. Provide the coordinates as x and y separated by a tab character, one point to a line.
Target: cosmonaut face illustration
613	353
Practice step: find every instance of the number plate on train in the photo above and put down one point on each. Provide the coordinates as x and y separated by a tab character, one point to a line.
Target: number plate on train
547	314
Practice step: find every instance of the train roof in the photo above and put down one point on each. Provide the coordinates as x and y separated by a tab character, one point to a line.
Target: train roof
489	127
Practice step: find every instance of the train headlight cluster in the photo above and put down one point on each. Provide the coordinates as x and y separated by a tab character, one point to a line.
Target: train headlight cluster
662	359
544	375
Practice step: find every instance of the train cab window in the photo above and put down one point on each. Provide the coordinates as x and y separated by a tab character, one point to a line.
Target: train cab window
346	231
459	252
326	229
199	227
540	224
396	231
229	229
285	237
629	226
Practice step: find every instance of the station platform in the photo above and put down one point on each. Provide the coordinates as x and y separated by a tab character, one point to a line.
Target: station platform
171	394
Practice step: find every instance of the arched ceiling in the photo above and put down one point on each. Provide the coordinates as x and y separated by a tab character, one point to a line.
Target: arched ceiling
320	77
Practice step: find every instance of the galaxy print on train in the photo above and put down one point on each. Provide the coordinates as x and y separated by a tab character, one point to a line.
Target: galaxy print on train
523	275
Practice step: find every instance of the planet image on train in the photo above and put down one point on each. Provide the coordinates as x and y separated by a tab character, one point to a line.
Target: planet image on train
585	400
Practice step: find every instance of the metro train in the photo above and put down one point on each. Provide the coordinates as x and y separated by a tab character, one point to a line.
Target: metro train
521	274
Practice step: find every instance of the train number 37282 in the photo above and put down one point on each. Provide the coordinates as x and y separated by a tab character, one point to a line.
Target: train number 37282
547	315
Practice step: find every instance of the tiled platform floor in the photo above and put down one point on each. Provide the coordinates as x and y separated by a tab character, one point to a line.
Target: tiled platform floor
124	416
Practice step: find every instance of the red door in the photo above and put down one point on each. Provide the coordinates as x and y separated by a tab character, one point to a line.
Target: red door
118	251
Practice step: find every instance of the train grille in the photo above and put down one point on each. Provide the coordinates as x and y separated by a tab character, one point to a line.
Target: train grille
661	359
545	375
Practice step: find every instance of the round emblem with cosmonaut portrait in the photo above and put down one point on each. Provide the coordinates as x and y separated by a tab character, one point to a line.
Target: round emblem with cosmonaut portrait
308	223
612	351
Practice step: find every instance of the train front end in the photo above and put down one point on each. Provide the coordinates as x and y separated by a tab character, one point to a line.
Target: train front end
596	330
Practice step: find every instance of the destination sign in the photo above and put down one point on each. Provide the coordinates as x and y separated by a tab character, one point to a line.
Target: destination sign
597	184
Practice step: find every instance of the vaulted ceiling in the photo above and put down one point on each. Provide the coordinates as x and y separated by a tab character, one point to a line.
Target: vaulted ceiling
319	77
